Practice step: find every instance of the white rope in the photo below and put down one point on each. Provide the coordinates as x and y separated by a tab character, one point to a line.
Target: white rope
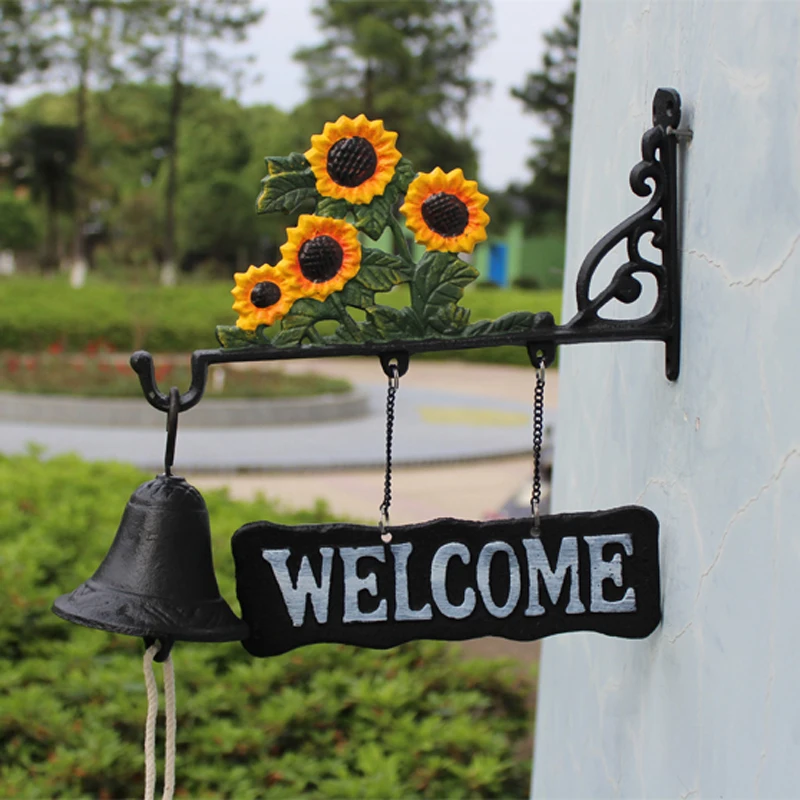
150	723
171	724
150	726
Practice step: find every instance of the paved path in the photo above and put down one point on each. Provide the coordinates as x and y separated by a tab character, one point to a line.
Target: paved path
466	489
443	415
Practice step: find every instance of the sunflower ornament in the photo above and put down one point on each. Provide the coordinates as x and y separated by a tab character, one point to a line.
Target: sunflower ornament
445	211
353	159
329	287
263	295
321	255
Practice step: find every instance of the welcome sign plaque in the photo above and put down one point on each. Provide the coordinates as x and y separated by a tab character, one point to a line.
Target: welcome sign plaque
448	579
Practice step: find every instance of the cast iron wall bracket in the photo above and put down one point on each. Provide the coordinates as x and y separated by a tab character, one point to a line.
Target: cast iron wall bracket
654	177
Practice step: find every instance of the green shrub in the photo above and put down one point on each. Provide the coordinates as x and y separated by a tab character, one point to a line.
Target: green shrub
323	721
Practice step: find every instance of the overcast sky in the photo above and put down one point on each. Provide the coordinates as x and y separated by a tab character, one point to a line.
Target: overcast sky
501	131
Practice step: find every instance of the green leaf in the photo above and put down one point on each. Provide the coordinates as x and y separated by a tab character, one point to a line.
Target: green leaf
233	336
289	337
372	218
450	320
294	162
343	335
357	295
286	191
384	323
514	322
404	173
329	207
381	271
308	309
439	279
297	324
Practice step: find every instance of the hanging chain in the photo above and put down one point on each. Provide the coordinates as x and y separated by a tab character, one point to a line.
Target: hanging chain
394	383
538	435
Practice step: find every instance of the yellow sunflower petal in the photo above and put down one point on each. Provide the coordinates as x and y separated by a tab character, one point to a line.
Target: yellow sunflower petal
263	295
445	211
353	159
321	254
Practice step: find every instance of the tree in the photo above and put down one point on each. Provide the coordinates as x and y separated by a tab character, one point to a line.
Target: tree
182	24
18	224
549	94
23	50
87	41
42	159
404	61
222	147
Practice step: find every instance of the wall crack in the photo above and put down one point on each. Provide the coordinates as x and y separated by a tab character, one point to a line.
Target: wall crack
773	479
746	283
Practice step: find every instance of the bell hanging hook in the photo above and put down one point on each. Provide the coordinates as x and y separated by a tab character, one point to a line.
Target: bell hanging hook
172	429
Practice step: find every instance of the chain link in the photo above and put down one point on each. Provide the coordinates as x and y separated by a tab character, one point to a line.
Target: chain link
538	436
394	384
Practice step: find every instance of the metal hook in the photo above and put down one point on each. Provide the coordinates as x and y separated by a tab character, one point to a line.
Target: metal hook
396	360
172	428
394	376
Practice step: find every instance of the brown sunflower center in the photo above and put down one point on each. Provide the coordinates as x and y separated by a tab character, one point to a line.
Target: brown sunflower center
265	294
320	258
445	214
352	161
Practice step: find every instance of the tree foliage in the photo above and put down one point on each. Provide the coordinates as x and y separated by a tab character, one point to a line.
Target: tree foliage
22	49
549	93
404	61
41	161
182	24
18	224
161	165
222	145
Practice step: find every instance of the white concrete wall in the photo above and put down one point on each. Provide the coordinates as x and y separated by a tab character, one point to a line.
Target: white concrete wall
709	705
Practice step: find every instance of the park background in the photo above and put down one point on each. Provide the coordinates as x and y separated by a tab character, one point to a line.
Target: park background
131	148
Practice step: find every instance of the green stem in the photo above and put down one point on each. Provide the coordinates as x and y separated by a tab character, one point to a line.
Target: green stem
342	316
400	241
313	335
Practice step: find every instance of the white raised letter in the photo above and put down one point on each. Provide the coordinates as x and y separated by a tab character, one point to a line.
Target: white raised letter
353	584
296	593
553	581
484	570
609	570
441	559
403	611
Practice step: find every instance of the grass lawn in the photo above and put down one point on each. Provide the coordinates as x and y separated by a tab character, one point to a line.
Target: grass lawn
37	312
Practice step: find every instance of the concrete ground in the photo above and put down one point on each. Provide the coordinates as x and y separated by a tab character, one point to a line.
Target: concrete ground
445	413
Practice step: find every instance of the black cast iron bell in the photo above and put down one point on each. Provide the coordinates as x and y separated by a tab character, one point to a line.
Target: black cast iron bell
157	580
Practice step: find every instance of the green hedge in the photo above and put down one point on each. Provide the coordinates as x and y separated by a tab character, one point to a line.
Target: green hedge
38	312
323	721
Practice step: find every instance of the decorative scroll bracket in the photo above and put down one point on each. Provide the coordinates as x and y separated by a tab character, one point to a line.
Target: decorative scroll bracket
658	218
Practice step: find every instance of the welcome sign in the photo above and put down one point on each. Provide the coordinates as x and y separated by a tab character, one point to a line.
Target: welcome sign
448	579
